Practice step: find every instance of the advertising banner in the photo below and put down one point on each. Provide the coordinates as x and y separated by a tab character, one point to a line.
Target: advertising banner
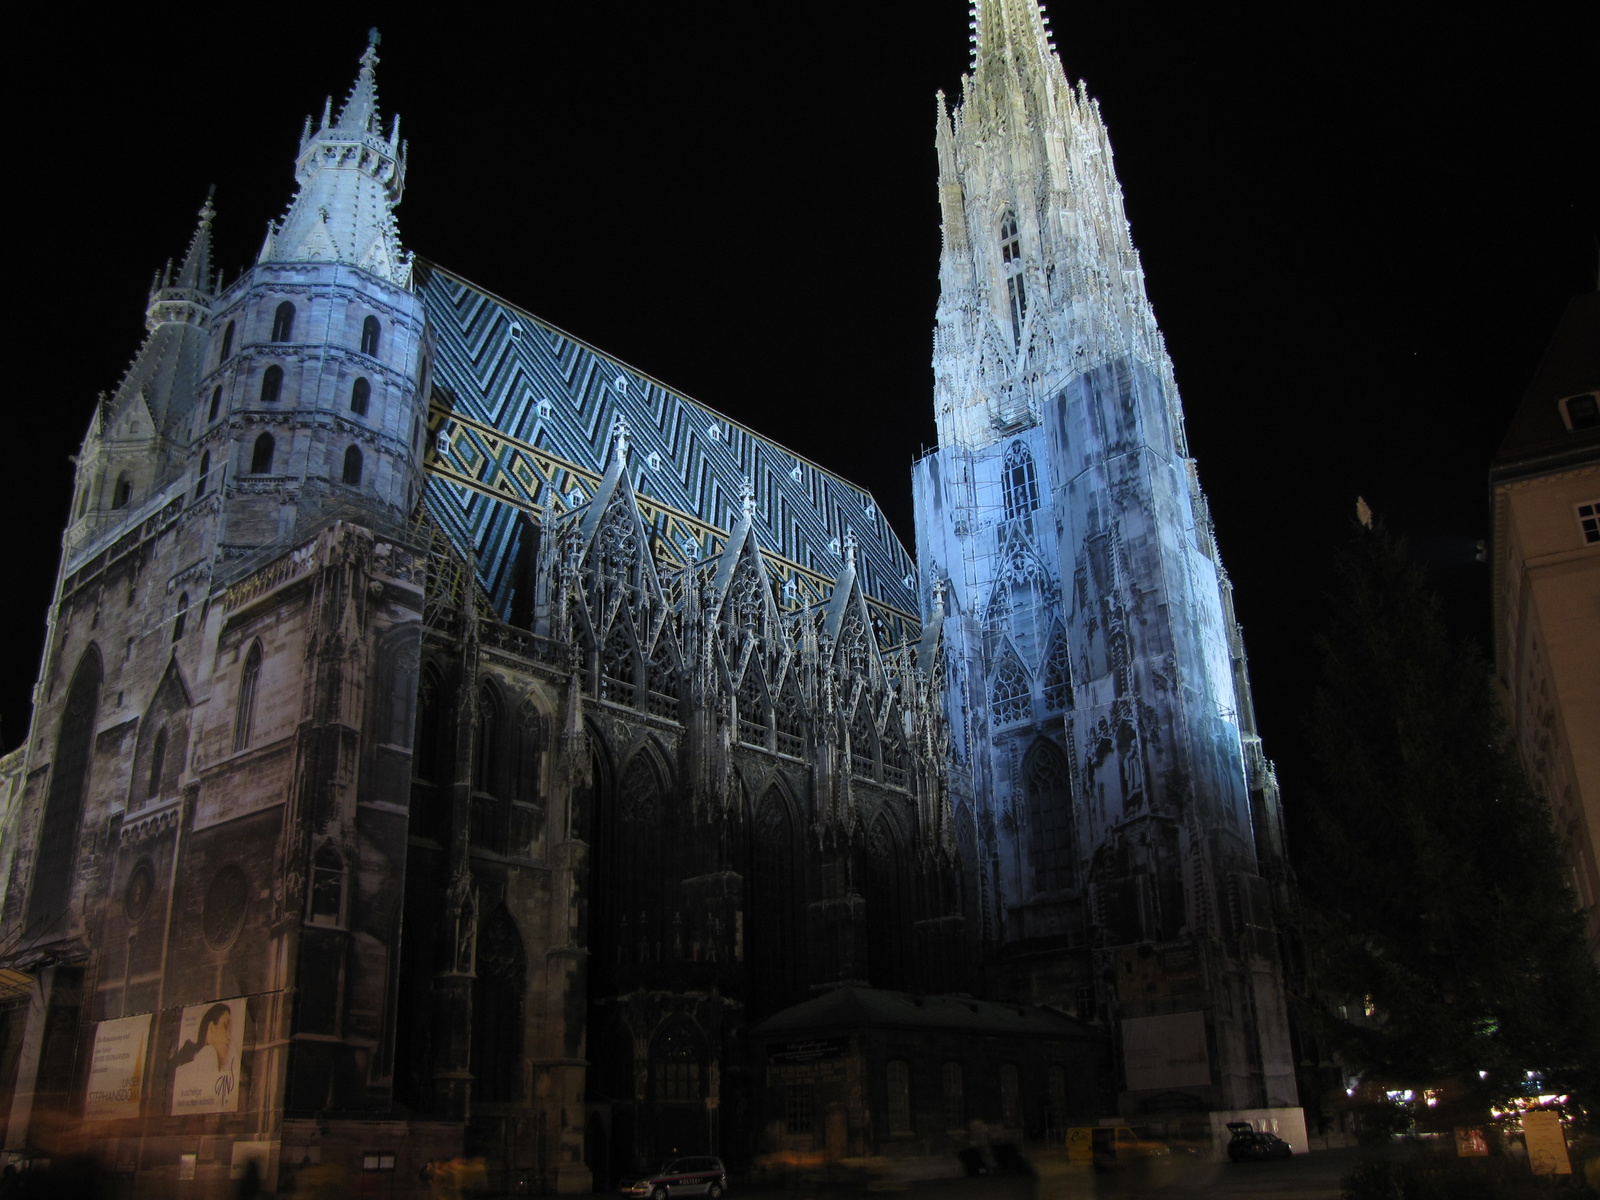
205	1074
116	1071
1165	1052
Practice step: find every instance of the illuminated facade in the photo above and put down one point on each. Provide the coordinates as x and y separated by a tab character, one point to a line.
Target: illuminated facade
1545	485
1119	823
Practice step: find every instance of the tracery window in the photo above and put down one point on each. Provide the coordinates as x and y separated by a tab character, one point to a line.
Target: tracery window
261	456
887	924
369	336
863	753
676	1064
955	1102
244	714
485	736
752	708
271	384
1011	699
1049	804
789	720
497	1018
360	393
618	666
283	322
1011	268
898	1078
1058	673
1019	482
352	467
327	886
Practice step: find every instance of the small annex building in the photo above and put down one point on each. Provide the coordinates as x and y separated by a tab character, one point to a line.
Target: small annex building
919	1078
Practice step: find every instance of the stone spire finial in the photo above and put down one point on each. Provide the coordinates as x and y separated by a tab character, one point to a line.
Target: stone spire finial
360	111
196	269
747	497
849	546
619	438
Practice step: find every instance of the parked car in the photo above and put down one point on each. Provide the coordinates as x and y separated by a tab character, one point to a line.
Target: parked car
680	1177
1253	1145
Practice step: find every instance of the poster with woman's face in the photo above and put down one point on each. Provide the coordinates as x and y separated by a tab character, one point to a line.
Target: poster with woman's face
205	1077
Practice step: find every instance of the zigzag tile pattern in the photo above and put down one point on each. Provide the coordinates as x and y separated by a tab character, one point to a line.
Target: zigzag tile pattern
522	419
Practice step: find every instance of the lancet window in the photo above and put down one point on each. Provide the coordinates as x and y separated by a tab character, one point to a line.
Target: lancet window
663	679
205	472
283	322
1058	673
1019	481
863	758
485	742
618	669
122	494
227	343
360	394
327	886
182	619
752	708
1011	698
886	896
244	715
893	746
261	456
63	810
271	384
158	762
352	467
369	336
1011	268
216	401
1049	800
497	1017
789	720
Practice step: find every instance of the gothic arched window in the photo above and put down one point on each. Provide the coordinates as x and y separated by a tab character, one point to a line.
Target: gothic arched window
261	457
244	715
789	718
122	494
1058	673
352	466
675	1064
271	384
752	708
1049	802
1011	699
369	336
1018	481
619	665
63	806
205	470
497	1001
485	742
158	762
216	402
327	886
887	926
283	322
1011	268
360	393
773	922
182	619
227	342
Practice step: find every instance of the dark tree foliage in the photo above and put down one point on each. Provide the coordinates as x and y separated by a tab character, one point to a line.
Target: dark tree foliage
1429	869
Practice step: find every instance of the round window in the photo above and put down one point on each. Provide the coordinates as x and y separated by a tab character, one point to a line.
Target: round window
136	896
223	915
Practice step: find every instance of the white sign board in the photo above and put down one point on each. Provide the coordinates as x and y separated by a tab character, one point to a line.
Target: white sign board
1168	1051
116	1072
1547	1144
205	1076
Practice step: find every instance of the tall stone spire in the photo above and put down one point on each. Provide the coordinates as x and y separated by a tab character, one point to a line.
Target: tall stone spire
351	178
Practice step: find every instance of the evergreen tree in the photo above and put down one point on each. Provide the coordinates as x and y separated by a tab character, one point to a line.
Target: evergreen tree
1433	885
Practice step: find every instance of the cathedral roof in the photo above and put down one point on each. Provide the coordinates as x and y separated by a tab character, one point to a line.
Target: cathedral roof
523	415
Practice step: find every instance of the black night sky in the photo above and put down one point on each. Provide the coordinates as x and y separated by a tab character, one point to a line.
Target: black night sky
1358	224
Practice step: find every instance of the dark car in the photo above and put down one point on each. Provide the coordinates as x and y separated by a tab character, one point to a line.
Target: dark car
1253	1145
680	1177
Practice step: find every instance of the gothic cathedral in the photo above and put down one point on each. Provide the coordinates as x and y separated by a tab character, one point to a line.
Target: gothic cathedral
455	746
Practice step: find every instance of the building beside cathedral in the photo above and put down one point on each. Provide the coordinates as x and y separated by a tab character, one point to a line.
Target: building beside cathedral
452	741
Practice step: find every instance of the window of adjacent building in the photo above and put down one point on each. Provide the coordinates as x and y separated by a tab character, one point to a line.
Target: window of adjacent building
205	471
1010	1096
261	456
352	466
182	618
369	336
327	886
158	761
360	393
898	1075
283	322
271	384
1583	412
955	1102
1049	805
227	342
122	495
797	1108
1011	268
1020	483
216	403
1589	522
1011	698
244	715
